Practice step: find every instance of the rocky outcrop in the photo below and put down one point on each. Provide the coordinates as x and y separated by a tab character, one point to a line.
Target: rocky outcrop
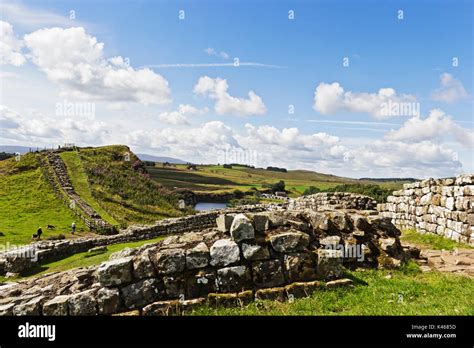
290	254
441	206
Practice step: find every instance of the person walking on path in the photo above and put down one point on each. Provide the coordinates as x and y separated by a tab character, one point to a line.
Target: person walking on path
73	227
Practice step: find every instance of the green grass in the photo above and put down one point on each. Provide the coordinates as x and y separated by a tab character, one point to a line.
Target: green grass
81	186
217	179
407	292
27	202
431	240
123	188
84	259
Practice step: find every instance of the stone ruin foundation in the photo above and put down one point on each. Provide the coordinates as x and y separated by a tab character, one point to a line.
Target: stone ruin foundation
274	255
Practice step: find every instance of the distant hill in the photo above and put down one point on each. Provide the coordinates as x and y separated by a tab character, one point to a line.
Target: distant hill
14	149
146	157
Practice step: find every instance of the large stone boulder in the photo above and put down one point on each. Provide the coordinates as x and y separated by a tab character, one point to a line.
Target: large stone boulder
143	267
58	306
169	261
242	228
300	267
224	222
83	303
267	273
224	252
253	252
197	257
141	293
30	308
115	272
233	279
108	301
289	241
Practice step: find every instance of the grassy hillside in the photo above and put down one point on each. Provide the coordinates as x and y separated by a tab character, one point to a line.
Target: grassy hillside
213	178
120	188
27	201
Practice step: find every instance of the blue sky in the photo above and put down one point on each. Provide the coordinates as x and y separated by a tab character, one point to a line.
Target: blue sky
340	134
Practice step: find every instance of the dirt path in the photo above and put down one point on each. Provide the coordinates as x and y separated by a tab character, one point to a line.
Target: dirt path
457	261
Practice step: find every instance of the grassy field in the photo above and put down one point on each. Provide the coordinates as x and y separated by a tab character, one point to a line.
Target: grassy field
217	179
406	291
84	259
27	202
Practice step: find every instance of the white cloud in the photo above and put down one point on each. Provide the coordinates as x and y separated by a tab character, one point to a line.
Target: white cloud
451	90
331	98
436	126
212	52
75	60
400	158
227	104
10	46
33	18
36	128
180	116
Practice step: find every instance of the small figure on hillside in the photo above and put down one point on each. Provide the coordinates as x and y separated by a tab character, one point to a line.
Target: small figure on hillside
73	227
39	232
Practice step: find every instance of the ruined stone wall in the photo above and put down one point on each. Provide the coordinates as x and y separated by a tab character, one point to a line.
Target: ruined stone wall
274	255
19	259
441	206
334	200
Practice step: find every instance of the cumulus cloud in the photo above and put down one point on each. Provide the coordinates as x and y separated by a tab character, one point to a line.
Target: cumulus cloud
399	158
330	98
10	46
76	61
180	116
225	103
436	126
36	128
451	90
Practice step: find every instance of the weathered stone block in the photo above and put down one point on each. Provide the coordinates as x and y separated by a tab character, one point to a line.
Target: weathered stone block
31	307
224	222
224	252
115	272
197	257
83	303
267	273
58	306
299	266
108	301
289	241
329	263
233	279
242	228
255	252
272	294
141	293
143	267
169	261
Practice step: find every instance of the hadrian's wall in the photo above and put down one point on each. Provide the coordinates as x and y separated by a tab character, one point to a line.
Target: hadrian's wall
19	259
441	206
334	200
274	255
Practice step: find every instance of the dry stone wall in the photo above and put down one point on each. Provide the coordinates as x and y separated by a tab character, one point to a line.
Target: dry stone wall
273	255
334	200
441	206
21	259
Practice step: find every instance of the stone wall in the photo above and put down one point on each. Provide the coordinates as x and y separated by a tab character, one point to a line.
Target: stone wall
334	200
19	259
441	206
273	255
